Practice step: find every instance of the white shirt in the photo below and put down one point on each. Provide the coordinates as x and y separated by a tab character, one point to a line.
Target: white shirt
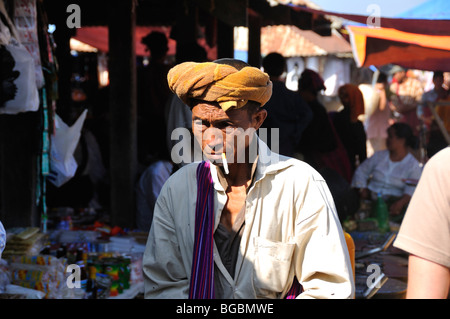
291	229
147	191
381	175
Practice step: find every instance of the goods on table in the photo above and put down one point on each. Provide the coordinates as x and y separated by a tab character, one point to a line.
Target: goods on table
60	264
42	272
24	241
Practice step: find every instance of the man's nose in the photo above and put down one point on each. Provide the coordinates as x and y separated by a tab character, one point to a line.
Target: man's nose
213	136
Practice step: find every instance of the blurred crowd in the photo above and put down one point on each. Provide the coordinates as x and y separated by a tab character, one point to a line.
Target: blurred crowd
339	143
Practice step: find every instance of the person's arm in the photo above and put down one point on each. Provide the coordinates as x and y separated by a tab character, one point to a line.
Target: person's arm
397	207
426	279
383	99
363	172
414	174
424	231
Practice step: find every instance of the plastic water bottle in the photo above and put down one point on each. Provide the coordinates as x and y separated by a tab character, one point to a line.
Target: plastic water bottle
382	214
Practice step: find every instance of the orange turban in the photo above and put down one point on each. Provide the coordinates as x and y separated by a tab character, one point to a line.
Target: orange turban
221	83
356	100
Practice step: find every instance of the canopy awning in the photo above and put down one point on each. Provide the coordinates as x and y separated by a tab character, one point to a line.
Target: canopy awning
379	46
437	24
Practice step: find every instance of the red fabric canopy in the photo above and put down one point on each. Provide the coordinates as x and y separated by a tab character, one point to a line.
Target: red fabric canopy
420	26
379	46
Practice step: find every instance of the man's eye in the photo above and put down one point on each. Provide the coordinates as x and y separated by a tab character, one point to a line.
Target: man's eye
199	123
224	125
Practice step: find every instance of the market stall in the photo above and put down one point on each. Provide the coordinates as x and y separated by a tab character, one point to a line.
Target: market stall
96	262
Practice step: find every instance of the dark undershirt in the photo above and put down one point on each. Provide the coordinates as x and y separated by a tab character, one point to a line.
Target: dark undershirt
228	242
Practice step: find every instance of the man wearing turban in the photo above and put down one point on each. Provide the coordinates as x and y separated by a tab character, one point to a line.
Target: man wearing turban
241	223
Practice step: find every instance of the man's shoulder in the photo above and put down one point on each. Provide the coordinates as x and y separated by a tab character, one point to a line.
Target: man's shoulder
186	170
440	160
381	154
182	176
295	168
412	160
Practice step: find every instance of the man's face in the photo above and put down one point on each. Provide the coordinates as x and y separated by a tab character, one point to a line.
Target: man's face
438	81
228	132
344	97
393	142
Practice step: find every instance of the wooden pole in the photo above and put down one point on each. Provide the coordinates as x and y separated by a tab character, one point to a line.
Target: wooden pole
254	39
19	146
123	111
225	40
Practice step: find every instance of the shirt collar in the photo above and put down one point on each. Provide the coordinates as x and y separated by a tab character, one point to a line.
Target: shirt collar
267	162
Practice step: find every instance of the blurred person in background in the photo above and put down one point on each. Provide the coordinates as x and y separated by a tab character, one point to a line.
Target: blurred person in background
178	114
433	137
378	121
320	146
405	95
164	164
348	127
286	110
152	95
393	172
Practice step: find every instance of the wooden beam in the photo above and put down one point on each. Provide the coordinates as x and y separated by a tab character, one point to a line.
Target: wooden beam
254	39
231	12
123	111
185	28
225	40
62	37
19	145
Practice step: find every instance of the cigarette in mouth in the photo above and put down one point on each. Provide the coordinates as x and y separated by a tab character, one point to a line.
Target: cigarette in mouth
225	164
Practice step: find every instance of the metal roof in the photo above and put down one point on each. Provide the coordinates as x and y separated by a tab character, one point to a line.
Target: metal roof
291	41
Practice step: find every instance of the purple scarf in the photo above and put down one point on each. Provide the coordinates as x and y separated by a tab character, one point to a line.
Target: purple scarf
295	290
202	276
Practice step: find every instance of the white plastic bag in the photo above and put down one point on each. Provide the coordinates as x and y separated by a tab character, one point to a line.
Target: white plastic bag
26	97
18	82
25	17
64	141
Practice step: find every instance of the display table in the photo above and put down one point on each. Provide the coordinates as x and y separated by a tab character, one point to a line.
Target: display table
388	264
